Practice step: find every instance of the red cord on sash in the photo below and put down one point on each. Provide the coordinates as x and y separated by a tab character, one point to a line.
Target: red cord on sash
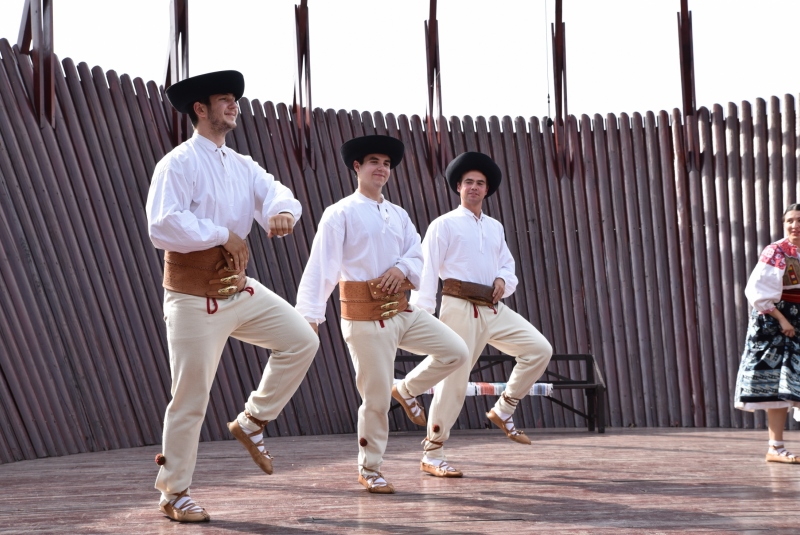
381	322
249	289
210	300
475	308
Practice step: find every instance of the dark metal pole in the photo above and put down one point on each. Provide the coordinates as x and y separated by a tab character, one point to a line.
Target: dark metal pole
436	157
686	49
302	88
36	39
178	61
561	125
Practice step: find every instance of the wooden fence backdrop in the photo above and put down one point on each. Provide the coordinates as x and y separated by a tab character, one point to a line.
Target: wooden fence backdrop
640	257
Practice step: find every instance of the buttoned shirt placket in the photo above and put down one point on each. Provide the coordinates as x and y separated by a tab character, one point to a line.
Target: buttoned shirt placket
223	156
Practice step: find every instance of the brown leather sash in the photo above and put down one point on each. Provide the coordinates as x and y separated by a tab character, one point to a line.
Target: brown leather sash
202	273
473	292
364	301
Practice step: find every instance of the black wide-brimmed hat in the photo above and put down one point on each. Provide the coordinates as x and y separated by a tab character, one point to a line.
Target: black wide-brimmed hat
357	148
184	94
474	161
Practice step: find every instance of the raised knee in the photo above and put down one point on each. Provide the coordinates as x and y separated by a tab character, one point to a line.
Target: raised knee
461	353
537	352
542	351
308	342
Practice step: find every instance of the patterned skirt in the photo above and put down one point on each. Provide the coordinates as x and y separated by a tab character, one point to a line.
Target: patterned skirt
769	373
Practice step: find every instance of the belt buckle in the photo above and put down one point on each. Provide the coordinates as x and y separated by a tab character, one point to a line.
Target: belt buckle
228	290
229	280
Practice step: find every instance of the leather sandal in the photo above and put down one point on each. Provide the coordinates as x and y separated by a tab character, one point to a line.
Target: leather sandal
512	433
781	455
375	483
182	508
419	418
263	460
443	470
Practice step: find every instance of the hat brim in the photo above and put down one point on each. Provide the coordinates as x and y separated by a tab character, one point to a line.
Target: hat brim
357	148
182	95
474	161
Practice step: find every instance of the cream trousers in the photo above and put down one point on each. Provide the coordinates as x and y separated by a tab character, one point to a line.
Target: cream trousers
501	328
197	330
373	346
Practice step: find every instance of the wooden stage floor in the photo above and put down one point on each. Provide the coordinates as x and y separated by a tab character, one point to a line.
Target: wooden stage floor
568	481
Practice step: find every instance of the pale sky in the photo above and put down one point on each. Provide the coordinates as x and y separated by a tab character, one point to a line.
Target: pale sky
369	55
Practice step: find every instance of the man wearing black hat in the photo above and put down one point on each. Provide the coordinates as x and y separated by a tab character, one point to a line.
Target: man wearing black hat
201	205
369	247
467	250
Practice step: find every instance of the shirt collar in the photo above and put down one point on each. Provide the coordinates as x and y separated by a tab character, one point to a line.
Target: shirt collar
206	143
467	211
364	198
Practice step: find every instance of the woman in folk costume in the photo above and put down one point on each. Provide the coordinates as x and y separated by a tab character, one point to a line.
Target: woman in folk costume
769	373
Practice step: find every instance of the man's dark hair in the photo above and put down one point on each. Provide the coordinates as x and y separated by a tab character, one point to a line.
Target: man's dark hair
193	115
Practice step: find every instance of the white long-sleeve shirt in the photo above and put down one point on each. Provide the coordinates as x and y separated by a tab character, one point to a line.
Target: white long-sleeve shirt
199	191
357	239
769	277
460	246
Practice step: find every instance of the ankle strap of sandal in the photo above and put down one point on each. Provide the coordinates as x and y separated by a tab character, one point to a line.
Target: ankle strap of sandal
431	445
511	401
260	423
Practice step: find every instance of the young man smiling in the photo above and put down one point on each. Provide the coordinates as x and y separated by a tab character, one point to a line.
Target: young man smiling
467	250
200	207
369	247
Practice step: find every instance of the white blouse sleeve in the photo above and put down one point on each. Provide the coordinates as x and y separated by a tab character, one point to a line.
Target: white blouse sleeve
764	287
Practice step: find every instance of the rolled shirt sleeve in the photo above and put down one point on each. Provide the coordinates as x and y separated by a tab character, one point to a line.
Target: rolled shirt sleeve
201	192
460	245
358	239
323	270
506	269
434	248
411	261
272	198
170	222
